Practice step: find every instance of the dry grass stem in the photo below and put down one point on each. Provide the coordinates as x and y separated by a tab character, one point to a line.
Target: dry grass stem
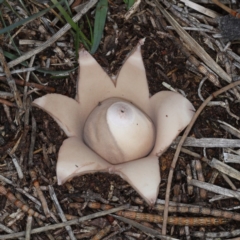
208	142
186	132
54	38
187	50
68	223
60	211
195	47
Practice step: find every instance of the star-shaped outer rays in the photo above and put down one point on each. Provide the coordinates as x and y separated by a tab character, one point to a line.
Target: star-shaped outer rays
170	113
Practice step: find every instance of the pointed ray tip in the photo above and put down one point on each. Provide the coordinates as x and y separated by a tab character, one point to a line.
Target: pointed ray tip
40	102
59	181
61	178
85	57
83	52
140	44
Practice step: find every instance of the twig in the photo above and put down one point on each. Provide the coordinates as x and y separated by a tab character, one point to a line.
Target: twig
28	227
10	80
6	102
187	232
215	188
34	85
23	70
133	9
229	128
60	211
40	194
32	144
6	95
26	80
40	223
25	208
174	161
6	229
189	208
143	228
68	223
102	233
6	180
18	216
16	163
208	142
205	235
29	196
227	9
179	221
202	192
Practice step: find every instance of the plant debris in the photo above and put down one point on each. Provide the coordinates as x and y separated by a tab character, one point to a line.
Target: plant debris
187	50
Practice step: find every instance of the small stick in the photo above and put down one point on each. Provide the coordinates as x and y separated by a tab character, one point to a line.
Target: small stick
202	192
186	132
16	163
60	211
229	182
29	196
28	227
227	9
6	180
19	204
144	228
40	223
10	80
175	207
179	221
68	223
194	173
6	229
102	233
40	194
189	208
27	80
209	142
205	235
32	144
189	177
29	84
187	232
214	188
18	216
6	102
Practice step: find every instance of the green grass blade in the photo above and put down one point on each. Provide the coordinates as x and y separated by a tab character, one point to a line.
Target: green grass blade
68	8
26	20
9	35
57	73
13	56
72	23
90	28
130	4
99	23
66	16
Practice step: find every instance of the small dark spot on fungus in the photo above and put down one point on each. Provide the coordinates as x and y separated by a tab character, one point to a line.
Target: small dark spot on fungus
166	115
76	165
122	111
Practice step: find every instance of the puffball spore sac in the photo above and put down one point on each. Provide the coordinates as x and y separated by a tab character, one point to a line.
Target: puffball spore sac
119	131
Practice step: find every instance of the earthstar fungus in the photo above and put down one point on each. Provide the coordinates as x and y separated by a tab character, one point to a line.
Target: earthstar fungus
114	126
